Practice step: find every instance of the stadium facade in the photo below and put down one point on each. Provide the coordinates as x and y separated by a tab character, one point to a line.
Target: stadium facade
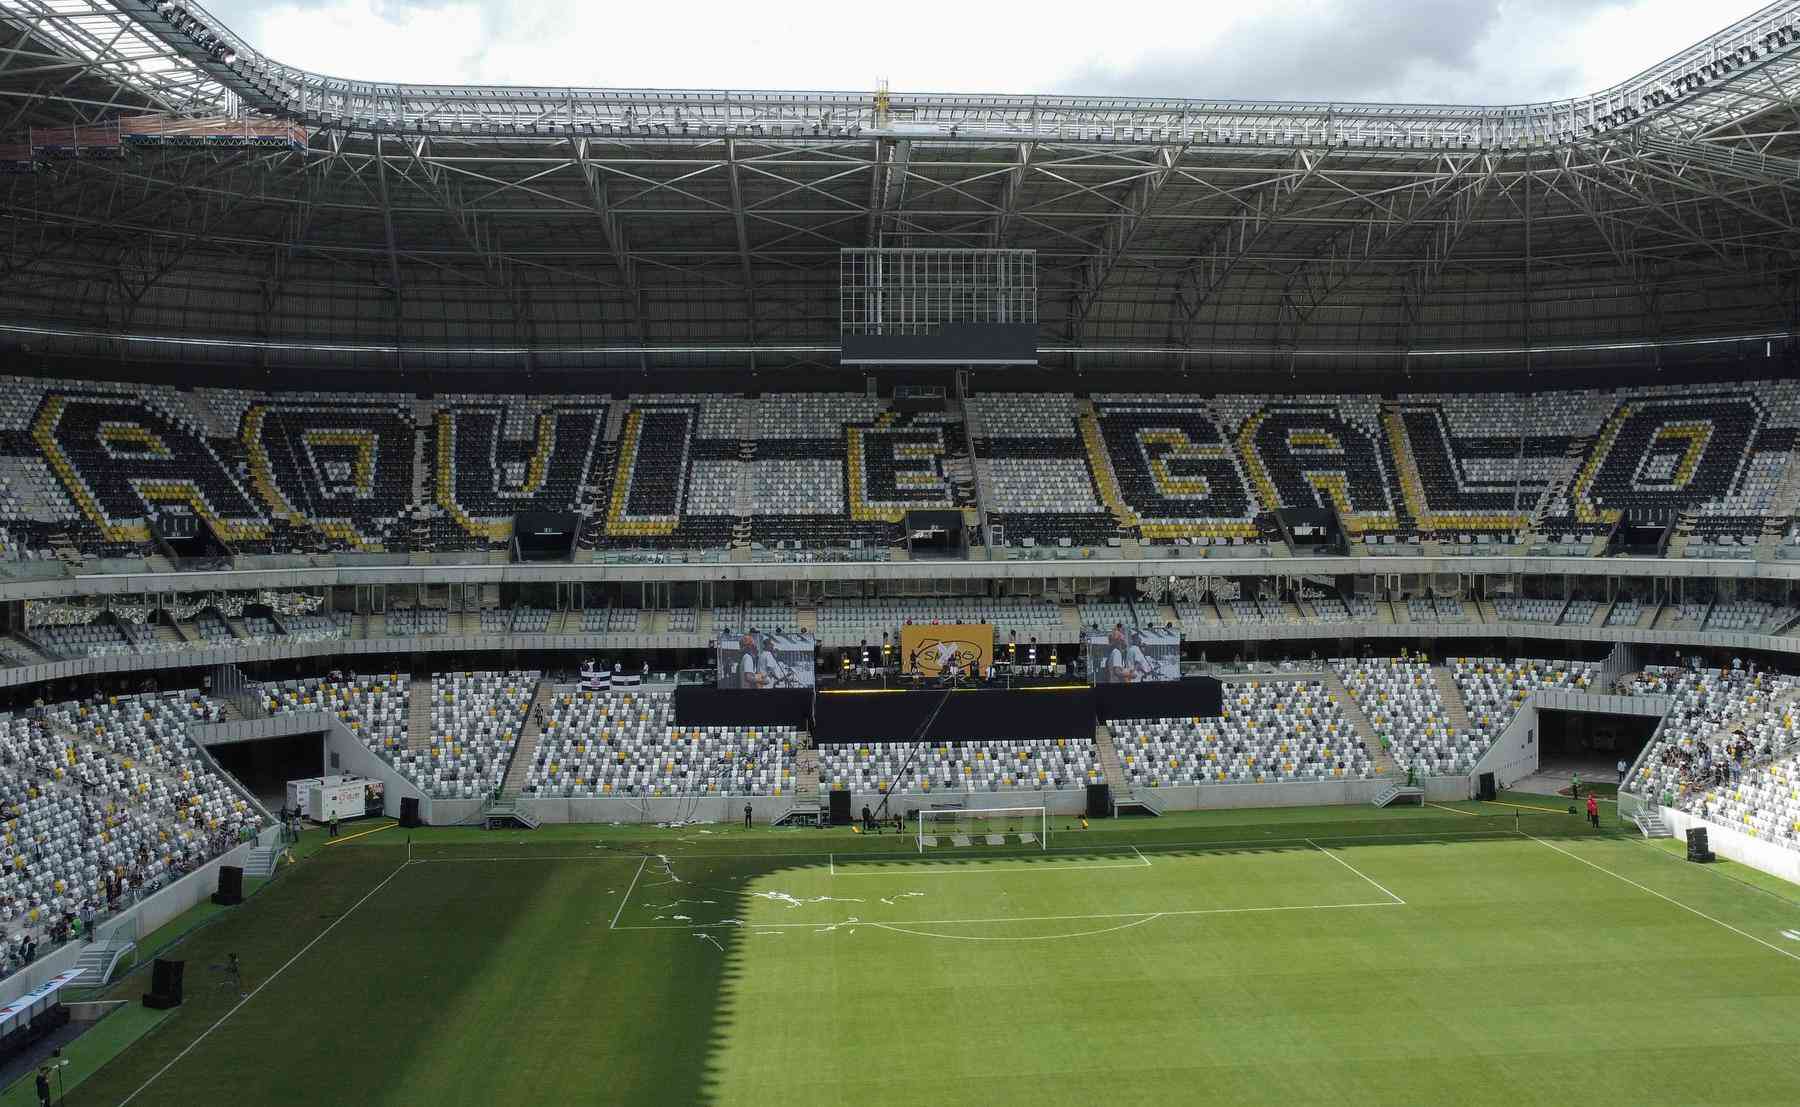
305	368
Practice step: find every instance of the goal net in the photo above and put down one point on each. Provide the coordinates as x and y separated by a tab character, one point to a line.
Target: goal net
994	826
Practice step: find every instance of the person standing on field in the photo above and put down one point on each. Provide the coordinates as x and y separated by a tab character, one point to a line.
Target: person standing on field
1593	811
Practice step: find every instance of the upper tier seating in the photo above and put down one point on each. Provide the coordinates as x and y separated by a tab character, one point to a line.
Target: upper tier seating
1625	613
283	472
851	622
96	639
413	622
1270	731
1513	609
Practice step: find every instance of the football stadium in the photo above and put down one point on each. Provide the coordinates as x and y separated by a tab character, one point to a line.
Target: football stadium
661	596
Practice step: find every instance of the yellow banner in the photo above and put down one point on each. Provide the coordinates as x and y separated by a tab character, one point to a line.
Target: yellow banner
928	649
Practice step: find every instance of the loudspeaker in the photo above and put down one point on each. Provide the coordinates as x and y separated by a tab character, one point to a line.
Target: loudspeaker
165	985
1485	787
231	886
840	807
1697	844
409	811
1099	800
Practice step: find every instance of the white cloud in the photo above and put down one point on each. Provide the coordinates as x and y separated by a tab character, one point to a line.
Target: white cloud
1465	51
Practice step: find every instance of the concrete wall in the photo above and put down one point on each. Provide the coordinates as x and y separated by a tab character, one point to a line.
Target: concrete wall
1735	846
358	759
1514	754
1068	801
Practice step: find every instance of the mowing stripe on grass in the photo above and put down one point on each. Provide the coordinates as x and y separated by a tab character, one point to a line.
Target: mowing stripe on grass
1031	938
973	863
1153	847
1355	870
271	979
1670	899
822	924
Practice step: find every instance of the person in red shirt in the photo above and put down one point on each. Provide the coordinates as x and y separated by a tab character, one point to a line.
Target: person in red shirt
1593	811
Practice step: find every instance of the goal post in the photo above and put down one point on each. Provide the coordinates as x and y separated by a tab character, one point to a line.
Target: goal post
990	826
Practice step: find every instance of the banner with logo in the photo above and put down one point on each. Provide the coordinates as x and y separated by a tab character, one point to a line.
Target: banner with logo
931	649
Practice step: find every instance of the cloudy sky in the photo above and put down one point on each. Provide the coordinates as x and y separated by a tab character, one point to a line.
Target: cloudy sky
1461	51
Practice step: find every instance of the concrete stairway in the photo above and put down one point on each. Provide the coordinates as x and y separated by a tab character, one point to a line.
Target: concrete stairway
98	960
418	714
525	753
1109	761
1340	695
806	777
1651	824
261	862
424	468
1455	710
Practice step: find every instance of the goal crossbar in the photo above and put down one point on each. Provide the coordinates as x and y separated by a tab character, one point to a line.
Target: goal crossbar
959	827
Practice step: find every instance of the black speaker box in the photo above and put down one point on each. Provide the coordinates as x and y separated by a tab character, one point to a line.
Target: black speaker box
231	886
840	807
409	812
165	984
1698	848
1099	800
1485	787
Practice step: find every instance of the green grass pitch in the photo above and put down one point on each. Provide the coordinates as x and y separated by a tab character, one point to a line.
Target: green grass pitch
1280	957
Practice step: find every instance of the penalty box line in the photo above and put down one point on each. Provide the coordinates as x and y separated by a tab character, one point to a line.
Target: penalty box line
627	856
1354	869
1101	917
922	865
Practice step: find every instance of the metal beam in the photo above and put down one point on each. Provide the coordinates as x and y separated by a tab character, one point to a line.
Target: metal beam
1012	186
614	231
1389	222
743	238
1208	270
393	249
1117	235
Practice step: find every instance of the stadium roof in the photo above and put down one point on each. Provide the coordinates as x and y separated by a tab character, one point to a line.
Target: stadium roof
609	221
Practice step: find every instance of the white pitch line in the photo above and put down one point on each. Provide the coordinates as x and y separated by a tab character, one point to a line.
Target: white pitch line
1027	918
1017	938
1355	870
270	980
1141	856
978	866
528	857
642	861
1670	899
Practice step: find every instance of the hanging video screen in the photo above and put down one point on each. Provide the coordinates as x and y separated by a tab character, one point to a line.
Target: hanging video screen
1129	655
755	660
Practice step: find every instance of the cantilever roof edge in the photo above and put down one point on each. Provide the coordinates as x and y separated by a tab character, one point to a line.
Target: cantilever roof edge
1692	95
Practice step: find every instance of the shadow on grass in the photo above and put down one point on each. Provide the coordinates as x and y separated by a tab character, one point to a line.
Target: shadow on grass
489	965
